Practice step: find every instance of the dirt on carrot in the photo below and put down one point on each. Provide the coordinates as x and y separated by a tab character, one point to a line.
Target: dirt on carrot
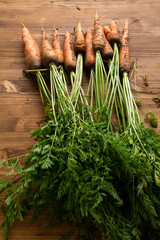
48	54
69	53
98	38
112	32
124	50
32	52
80	43
90	55
107	50
57	47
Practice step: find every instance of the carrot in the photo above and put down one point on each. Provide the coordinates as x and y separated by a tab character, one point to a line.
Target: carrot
32	52
112	33
114	27
98	39
48	53
80	44
57	47
107	50
69	53
124	50
90	55
106	30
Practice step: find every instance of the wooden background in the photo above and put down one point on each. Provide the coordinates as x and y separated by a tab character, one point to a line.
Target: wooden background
20	104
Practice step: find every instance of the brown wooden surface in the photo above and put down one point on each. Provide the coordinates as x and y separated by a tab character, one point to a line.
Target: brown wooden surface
20	104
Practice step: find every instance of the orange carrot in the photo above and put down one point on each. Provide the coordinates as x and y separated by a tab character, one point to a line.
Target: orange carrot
114	27
69	53
112	33
124	50
98	39
32	52
106	30
48	53
90	55
57	47
107	50
80	44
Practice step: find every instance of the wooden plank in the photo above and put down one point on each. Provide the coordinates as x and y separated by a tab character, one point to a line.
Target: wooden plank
24	230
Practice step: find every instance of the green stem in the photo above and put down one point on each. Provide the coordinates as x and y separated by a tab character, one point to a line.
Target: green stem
76	85
140	142
40	90
86	102
53	96
44	86
97	92
118	118
37	70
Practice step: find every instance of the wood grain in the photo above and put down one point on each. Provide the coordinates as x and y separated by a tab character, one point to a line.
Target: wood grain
20	104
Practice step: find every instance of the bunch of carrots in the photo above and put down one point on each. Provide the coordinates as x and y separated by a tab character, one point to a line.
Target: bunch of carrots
93	160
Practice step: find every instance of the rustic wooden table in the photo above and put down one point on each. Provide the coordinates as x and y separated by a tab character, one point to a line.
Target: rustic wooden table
20	104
